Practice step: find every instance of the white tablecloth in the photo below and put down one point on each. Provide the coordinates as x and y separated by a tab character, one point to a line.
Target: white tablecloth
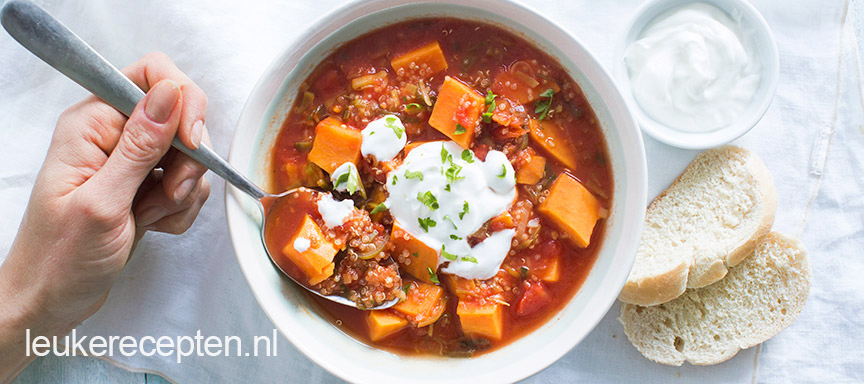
810	139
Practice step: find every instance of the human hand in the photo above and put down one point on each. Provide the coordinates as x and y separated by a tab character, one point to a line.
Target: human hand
105	181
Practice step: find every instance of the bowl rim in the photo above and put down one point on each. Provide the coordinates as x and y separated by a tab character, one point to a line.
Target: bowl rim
638	186
644	15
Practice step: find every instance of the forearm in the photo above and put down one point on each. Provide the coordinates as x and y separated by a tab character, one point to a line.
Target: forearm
18	313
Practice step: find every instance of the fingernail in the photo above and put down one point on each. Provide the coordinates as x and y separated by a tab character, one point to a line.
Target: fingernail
150	216
195	134
183	190
161	101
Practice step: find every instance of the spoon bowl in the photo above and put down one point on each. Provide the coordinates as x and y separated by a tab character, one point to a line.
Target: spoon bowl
59	47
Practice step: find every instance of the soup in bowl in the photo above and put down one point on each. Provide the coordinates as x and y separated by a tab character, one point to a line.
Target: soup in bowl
456	162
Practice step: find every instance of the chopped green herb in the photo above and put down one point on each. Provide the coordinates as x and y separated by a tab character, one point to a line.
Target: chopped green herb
371	133
467	156
503	171
451	221
459	129
426	223
490	102
390	122
464	210
428	199
413	105
447	187
415	254
378	208
444	154
414	175
454	237
405	288
351	179
452	173
433	276
523	272
394	180
542	106
469	259
447	255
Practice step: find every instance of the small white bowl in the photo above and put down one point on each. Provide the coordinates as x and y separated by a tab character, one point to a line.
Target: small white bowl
766	49
286	304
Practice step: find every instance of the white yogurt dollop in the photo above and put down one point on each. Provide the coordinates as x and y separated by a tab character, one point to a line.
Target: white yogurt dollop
383	138
302	244
334	213
694	69
441	194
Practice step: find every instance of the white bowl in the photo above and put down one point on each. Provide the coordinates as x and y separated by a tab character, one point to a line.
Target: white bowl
766	49
352	360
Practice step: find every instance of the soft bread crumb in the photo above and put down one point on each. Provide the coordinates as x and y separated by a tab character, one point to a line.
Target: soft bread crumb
758	299
708	220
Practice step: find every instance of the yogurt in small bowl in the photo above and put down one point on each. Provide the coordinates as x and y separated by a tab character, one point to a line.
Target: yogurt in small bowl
698	74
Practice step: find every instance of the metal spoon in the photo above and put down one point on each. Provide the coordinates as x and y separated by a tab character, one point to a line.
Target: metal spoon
51	41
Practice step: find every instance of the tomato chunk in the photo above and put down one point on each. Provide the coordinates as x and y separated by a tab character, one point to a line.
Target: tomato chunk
535	296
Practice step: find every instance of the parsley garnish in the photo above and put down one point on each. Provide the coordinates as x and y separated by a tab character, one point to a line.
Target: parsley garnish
503	171
433	276
490	101
394	180
467	156
444	154
469	259
426	223
542	106
414	175
447	187
446	255
351	179
451	221
415	254
460	130
454	237
390	122
378	208
428	199
464	210
452	173
405	288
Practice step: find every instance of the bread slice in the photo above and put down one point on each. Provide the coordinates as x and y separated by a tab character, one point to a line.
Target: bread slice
708	220
759	298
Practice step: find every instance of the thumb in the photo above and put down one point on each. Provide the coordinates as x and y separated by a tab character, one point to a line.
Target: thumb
145	139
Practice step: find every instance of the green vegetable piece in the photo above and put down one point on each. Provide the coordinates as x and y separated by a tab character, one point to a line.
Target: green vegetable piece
378	208
459	129
542	106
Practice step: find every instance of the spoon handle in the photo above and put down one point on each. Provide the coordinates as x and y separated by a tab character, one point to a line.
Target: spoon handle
51	41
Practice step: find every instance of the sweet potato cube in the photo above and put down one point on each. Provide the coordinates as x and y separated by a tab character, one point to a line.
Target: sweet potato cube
532	171
572	209
551	271
428	58
457	111
484	320
554	140
421	258
383	323
335	144
316	260
423	304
